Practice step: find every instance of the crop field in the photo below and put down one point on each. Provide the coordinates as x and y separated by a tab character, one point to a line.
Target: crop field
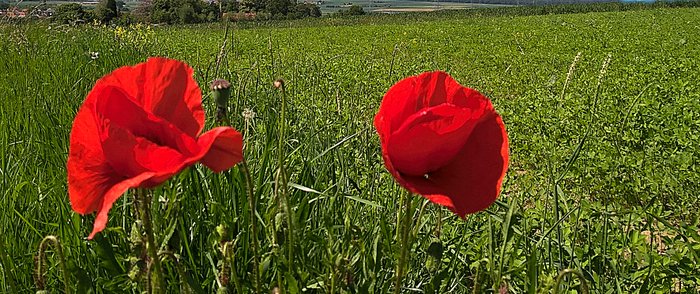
390	6
603	180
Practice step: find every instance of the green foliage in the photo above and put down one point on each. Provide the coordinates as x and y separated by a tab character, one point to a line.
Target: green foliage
278	7
177	11
69	13
304	10
288	9
4	5
606	184
353	10
186	14
252	5
106	11
230	6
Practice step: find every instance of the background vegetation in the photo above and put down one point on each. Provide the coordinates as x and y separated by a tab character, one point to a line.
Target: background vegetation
606	184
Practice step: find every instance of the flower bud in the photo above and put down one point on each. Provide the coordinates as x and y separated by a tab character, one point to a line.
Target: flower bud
279	83
222	233
221	90
434	251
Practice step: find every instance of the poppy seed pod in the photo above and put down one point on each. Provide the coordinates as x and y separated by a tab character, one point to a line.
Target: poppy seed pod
221	89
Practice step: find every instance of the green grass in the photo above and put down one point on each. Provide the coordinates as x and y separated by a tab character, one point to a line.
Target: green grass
607	186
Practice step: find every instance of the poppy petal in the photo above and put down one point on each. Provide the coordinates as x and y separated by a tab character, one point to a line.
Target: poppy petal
432	88
164	87
130	155
398	104
223	147
87	168
115	105
430	139
89	176
111	196
472	181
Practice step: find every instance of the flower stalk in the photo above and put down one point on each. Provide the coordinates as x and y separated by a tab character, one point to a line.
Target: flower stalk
403	232
282	181
156	276
566	272
42	264
228	269
184	287
221	90
243	166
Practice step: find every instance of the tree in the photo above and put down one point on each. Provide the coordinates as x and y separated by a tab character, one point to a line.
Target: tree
163	11
252	5
230	6
303	10
179	11
356	10
210	11
106	10
69	13
278	7
142	12
353	10
186	14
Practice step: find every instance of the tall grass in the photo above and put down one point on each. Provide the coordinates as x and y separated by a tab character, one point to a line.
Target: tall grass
608	188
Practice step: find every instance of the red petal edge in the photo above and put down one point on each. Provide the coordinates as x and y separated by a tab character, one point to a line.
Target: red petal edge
111	196
223	147
164	87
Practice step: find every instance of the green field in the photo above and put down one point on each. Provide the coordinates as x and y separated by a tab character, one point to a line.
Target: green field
393	6
605	184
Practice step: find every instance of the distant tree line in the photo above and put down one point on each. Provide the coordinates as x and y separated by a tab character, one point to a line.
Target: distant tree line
185	11
106	11
352	10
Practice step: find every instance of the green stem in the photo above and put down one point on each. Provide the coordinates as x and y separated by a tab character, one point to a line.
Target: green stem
290	220
438	226
184	287
228	259
405	239
253	223
283	179
41	271
6	267
333	278
275	252
476	277
145	207
243	166
562	274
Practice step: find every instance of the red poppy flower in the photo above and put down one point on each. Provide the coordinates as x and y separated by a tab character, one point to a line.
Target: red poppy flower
138	127
443	141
